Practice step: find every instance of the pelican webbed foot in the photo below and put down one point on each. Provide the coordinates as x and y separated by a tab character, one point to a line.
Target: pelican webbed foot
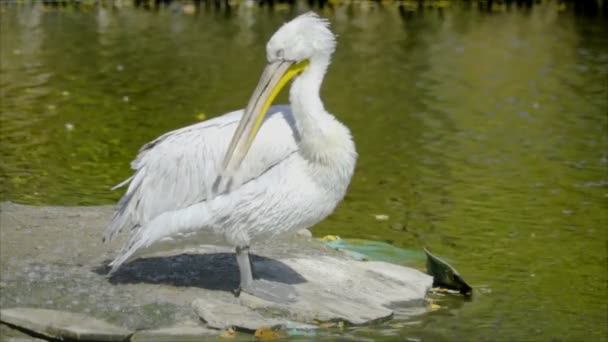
261	288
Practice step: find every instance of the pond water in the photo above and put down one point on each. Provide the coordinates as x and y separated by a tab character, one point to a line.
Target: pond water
482	135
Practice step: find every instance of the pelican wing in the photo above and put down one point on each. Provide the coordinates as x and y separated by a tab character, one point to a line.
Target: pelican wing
179	169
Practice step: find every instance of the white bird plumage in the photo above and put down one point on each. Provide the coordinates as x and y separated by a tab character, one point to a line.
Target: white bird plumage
291	175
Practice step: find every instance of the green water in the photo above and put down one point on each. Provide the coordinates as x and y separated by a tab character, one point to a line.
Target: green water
483	136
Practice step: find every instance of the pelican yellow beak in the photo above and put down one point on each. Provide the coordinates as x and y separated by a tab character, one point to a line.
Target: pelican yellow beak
274	78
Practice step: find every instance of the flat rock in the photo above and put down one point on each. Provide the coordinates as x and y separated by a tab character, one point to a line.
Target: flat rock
355	292
183	332
63	325
222	315
53	258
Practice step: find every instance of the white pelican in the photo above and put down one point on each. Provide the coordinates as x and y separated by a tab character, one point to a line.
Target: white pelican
286	167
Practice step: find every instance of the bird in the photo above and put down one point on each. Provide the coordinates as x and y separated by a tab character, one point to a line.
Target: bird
249	175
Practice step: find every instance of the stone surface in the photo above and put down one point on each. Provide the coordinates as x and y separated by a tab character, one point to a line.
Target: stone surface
184	332
20	339
63	325
53	258
9	334
346	290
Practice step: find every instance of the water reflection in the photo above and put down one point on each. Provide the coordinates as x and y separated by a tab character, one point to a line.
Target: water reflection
405	7
481	135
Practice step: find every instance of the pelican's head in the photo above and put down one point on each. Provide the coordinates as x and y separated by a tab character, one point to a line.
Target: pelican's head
304	38
299	43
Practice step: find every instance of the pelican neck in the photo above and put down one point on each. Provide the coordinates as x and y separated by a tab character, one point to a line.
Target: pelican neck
305	100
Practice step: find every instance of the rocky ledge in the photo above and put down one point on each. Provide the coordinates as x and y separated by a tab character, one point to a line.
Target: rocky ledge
54	283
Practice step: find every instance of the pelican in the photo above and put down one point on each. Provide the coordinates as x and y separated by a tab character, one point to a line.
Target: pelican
284	169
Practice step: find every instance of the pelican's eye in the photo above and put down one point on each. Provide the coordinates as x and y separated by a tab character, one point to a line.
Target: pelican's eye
280	54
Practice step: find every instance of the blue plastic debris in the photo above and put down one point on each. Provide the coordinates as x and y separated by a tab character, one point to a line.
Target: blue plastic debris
376	250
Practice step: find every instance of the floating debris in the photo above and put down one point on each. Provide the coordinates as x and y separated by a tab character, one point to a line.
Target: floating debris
328	238
434	307
373	250
230	333
445	275
201	116
381	217
189	9
300	329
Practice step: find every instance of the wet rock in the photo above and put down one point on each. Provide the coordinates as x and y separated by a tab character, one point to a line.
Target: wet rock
336	289
184	332
339	289
63	325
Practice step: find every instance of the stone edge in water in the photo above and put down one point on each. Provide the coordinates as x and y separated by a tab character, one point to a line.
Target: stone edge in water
187	332
63	325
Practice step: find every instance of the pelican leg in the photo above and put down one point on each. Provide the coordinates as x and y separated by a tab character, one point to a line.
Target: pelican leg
261	288
242	259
